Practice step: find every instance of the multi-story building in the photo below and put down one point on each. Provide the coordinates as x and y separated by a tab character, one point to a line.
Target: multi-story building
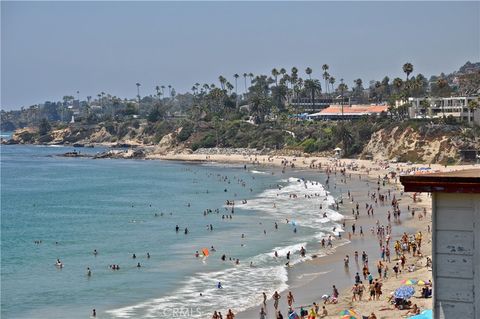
434	107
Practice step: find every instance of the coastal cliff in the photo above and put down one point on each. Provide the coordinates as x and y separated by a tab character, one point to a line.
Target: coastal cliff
427	144
414	142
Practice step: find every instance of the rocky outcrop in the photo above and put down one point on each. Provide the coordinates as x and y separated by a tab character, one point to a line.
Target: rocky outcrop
123	154
429	144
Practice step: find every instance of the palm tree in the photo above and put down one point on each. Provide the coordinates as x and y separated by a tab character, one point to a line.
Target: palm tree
309	72
345	136
342	88
407	69
472	106
397	84
313	86
138	91
326	77
283	71
250	75
293	81
206	87
236	76
222	81
245	80
163	89
275	75
332	82
229	86
157	88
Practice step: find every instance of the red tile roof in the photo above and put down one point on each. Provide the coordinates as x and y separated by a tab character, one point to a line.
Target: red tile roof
354	109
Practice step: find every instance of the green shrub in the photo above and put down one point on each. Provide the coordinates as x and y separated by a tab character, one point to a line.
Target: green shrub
309	145
185	133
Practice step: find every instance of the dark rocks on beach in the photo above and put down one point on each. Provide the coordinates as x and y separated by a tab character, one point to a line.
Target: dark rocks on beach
75	154
8	142
123	154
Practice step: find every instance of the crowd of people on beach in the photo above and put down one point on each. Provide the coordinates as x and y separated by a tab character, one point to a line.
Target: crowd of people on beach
382	202
407	245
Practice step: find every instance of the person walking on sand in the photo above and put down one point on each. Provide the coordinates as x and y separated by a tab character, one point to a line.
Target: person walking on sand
354	292
335	293
290	299
264	299
276	297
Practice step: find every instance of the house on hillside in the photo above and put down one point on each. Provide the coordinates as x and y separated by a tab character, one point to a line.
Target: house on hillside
435	107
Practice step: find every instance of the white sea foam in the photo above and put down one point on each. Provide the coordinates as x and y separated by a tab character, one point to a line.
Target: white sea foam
240	283
302	210
258	172
243	283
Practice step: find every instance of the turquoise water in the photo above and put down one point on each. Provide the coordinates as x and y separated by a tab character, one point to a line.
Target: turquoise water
125	207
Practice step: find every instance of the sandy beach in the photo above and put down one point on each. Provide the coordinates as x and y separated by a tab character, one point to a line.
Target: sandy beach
310	280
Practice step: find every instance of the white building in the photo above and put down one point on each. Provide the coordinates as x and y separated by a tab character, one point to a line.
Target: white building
435	107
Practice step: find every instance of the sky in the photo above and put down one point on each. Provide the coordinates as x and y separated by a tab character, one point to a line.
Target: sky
52	49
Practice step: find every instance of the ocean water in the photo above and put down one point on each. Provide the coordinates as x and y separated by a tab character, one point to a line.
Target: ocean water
126	207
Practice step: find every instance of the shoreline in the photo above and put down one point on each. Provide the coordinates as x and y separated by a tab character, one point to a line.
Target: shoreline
318	270
308	280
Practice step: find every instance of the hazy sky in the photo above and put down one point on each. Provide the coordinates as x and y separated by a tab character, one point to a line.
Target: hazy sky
51	49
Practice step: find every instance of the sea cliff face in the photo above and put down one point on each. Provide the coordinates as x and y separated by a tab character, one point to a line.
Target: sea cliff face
431	144
406	143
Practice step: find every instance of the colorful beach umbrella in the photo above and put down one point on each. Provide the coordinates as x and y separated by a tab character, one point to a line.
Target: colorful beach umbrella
349	314
404	292
421	283
409	282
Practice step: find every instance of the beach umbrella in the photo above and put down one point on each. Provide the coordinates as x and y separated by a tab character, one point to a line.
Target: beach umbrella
404	292
349	314
409	282
421	283
426	314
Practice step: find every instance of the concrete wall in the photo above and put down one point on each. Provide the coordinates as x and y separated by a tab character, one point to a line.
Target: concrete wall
456	255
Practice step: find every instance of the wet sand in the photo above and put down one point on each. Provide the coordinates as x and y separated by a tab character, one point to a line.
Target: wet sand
310	280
